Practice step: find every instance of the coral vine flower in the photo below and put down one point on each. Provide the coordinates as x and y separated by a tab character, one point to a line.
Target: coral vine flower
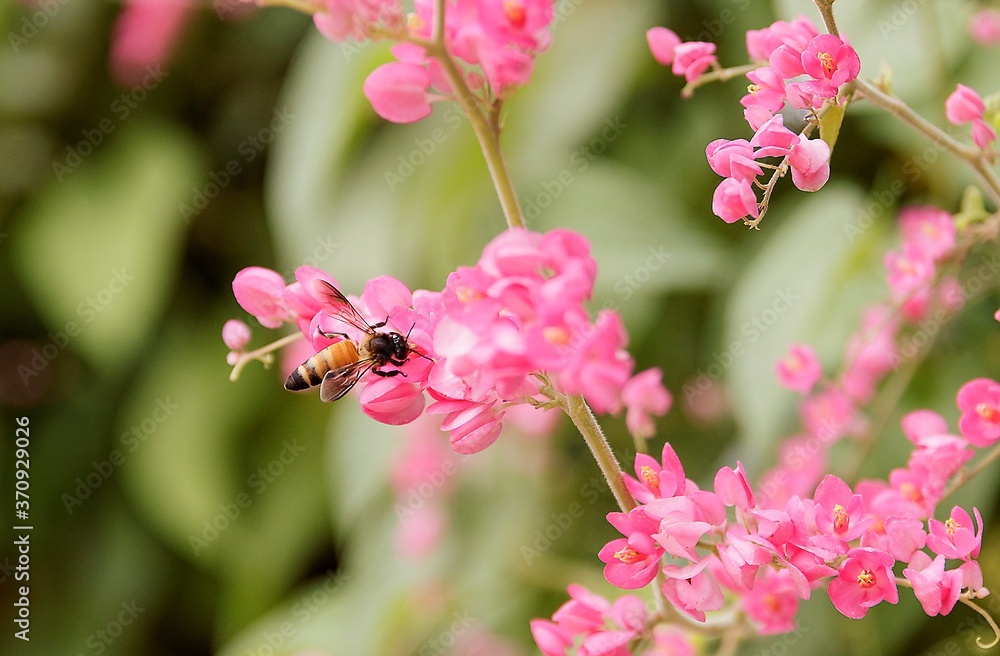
644	396
657	480
984	26
399	93
839	513
734	200
979	401
773	603
928	230
864	579
964	105
955	537
831	62
632	562
801	370
687	58
935	589
662	43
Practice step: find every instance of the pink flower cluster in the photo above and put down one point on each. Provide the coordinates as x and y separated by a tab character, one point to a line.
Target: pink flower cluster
984	26
965	106
496	40
804	69
606	628
513	329
770	558
830	410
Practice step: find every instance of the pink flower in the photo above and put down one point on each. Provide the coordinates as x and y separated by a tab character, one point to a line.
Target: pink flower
236	334
927	230
773	139
908	271
935	589
984	26
734	200
398	92
599	367
645	397
766	89
839	513
473	426
963	105
693	58
145	35
864	579
551	639
733	159
831	62
801	370
982	134
773	603
656	480
259	291
694	594
761	43
810	162
681	525
828	415
955	537
392	400
662	43
733	488
904	536
584	612
339	20
631	562
979	401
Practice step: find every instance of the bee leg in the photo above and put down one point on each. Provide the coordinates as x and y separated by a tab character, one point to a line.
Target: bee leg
388	374
381	323
332	335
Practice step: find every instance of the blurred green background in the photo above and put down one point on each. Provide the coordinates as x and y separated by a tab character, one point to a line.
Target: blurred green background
256	147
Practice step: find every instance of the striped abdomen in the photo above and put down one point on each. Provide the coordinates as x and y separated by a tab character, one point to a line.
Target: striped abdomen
310	373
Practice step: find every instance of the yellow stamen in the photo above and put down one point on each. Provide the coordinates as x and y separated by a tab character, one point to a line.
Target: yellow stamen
556	335
951	526
840	518
514	10
467	294
829	64
987	412
866	579
650	478
627	555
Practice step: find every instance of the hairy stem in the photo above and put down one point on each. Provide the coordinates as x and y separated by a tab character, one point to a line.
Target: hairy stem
486	127
584	420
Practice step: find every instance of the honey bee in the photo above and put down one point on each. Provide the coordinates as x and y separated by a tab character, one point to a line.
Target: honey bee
339	367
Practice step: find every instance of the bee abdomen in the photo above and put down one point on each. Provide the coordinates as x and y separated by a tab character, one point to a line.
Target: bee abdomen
310	373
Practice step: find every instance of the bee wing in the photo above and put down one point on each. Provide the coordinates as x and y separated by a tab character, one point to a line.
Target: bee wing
337	305
338	382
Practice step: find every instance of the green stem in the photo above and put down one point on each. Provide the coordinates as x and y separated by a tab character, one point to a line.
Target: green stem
263	354
718	75
584	420
487	129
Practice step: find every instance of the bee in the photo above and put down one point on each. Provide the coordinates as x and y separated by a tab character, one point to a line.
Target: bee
339	367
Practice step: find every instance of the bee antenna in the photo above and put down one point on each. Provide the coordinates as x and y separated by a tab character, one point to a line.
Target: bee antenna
412	326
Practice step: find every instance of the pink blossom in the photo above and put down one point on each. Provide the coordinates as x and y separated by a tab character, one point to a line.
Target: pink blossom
908	271
786	60
864	579
662	43
831	62
963	105
839	513
733	159
810	162
766	89
956	537
733	488
928	230
473	426
259	291
982	134
935	589
645	397
551	639
236	334
828	415
584	612
801	370
904	536
692	58
670	642
518	23
392	400
761	43
631	562
145	36
694	595
984	26
681	525
773	139
398	92
656	480
734	200
773	603
979	401
742	556
339	20
599	367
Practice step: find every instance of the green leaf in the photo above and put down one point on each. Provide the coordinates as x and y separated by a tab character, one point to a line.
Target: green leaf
829	125
98	252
